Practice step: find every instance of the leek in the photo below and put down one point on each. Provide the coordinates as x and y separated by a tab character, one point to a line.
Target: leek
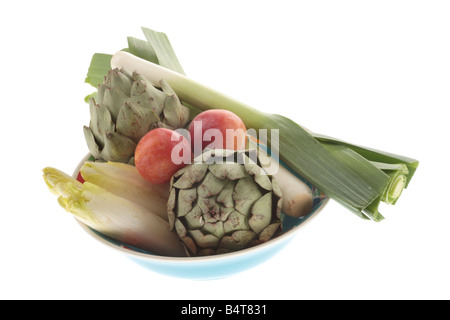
375	155
398	180
142	49
163	50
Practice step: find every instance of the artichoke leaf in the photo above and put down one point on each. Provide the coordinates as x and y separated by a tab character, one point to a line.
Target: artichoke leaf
226	194
210	186
238	240
101	122
186	197
146	95
232	171
92	144
194	218
245	195
214	228
118	78
204	240
269	232
236	221
134	121
190	175
118	147
261	213
111	98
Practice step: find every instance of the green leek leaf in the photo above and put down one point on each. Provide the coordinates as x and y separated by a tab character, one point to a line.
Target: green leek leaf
366	170
98	69
163	49
100	64
142	49
375	155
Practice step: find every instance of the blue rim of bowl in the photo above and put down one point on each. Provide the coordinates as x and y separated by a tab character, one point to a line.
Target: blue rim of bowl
319	202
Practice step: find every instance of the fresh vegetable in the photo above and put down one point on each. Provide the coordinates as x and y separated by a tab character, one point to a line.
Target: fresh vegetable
224	202
217	129
336	174
396	168
377	157
113	215
124	181
228	198
124	109
161	153
297	195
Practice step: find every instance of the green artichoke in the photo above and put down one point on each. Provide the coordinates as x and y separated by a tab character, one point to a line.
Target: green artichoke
224	203
127	107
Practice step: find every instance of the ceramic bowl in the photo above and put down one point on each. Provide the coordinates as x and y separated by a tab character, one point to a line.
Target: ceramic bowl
217	266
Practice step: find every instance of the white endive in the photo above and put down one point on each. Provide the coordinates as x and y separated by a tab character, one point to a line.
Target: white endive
113	215
125	181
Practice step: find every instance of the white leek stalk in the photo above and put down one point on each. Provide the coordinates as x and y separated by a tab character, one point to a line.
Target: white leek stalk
188	90
297	200
113	216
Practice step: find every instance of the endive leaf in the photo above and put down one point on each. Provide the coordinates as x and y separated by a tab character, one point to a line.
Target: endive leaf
125	181
113	215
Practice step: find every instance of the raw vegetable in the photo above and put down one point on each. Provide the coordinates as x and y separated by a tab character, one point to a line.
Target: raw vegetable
125	181
113	215
373	155
224	202
161	153
399	169
214	207
124	109
217	129
297	195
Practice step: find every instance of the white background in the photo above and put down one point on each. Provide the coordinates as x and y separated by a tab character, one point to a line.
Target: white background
373	72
